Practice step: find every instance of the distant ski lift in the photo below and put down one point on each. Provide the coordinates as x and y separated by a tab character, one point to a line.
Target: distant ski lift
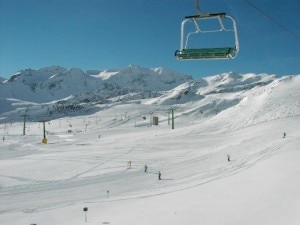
225	24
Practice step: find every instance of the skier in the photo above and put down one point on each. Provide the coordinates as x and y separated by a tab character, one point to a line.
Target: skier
129	165
146	168
284	134
228	158
159	175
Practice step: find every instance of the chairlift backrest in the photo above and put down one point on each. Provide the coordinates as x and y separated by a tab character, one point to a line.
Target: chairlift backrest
227	52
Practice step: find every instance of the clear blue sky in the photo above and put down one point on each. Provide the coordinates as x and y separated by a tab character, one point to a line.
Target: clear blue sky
105	34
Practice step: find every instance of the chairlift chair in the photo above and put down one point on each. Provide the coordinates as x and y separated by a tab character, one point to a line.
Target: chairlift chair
227	52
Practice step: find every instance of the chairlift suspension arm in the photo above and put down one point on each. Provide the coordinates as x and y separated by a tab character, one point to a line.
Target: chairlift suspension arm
182	34
237	45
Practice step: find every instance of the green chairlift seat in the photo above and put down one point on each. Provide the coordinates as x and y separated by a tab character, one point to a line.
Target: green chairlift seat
206	53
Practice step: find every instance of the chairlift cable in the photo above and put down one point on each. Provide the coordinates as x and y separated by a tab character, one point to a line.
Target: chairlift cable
272	19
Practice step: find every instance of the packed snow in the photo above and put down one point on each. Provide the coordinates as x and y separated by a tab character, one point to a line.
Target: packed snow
85	161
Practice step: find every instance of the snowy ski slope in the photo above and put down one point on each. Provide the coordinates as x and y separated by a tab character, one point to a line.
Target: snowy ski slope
86	156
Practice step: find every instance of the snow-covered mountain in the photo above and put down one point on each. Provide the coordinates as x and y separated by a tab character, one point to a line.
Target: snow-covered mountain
54	92
54	83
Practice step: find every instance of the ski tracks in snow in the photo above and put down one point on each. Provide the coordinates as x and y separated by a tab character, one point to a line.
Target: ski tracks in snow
225	170
40	196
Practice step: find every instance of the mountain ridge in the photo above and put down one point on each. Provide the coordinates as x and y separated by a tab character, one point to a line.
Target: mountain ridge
55	91
53	83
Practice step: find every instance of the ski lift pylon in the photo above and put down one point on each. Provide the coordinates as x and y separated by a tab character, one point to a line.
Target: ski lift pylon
227	52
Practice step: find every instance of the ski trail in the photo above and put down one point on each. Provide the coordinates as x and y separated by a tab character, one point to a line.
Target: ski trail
123	184
100	164
229	169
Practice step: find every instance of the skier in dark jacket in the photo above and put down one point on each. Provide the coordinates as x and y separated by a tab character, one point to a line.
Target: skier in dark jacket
159	175
228	158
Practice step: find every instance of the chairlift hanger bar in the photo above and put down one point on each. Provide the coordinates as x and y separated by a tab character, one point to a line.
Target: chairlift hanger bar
201	14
